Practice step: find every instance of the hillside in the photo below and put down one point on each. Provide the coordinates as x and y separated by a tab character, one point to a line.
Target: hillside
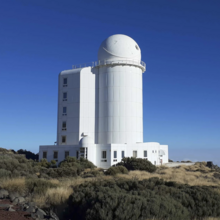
86	192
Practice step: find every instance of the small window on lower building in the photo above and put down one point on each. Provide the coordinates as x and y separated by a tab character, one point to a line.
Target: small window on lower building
45	154
64	82
115	154
64	126
134	153
55	155
122	154
63	139
152	151
67	153
64	110
145	153
155	151
155	163
65	96
104	154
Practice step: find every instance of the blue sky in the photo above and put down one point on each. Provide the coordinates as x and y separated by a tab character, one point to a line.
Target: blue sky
180	43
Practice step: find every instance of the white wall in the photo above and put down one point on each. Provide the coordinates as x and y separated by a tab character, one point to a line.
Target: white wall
120	116
165	157
61	151
87	103
72	104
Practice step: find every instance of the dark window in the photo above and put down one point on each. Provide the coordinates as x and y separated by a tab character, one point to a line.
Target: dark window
64	96
64	81
64	125
145	153
64	110
67	153
115	154
45	154
63	139
122	154
55	154
103	154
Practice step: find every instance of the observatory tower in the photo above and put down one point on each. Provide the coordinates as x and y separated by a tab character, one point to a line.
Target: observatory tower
100	108
120	112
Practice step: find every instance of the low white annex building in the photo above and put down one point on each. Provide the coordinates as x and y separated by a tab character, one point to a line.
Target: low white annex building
100	109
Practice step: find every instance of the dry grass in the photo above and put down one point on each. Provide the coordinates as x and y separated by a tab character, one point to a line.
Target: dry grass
14	185
197	174
53	196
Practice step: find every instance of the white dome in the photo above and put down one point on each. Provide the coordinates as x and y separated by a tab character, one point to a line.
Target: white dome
85	141
119	47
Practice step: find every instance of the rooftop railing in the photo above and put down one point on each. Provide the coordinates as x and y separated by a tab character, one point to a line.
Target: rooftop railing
140	64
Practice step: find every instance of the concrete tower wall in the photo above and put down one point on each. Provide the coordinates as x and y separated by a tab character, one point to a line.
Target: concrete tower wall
87	103
72	103
120	117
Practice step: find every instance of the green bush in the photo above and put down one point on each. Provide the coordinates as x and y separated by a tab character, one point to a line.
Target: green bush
116	170
5	173
78	165
147	199
132	163
39	186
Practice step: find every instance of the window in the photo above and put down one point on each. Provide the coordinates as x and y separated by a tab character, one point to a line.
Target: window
45	154
152	151
155	151
154	162
64	125
64	110
64	82
65	96
115	156
67	153
145	153
103	154
122	154
63	139
134	153
55	155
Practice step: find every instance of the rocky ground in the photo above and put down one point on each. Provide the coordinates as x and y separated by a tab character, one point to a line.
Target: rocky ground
13	206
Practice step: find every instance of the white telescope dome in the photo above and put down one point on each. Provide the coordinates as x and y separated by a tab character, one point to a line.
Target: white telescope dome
119	47
85	141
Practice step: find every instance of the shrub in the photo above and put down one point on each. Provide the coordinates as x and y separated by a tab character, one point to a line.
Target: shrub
39	186
132	163
78	165
5	173
121	200
116	170
147	199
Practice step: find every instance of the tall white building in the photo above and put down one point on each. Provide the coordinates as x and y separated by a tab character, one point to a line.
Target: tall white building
100	109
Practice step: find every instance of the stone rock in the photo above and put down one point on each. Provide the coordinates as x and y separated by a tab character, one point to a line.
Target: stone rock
34	215
5	205
3	193
21	200
15	201
41	213
53	215
12	196
31	204
30	209
10	209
